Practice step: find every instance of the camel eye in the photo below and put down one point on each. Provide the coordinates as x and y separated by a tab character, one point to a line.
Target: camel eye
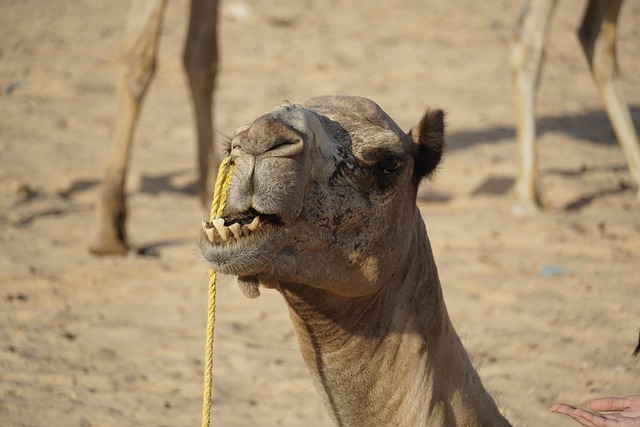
389	165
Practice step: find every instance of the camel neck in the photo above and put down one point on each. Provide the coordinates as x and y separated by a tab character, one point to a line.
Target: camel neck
392	358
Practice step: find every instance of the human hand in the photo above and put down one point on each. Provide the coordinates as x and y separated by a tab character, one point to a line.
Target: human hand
605	412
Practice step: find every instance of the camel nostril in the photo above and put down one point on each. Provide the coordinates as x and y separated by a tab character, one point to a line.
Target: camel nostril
286	146
268	135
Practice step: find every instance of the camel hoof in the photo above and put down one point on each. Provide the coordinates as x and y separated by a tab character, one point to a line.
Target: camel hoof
530	205
108	245
526	208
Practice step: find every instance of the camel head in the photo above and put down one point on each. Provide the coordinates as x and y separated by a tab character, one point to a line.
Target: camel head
323	194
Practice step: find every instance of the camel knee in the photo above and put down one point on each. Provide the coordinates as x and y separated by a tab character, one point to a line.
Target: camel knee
529	36
136	76
138	65
138	57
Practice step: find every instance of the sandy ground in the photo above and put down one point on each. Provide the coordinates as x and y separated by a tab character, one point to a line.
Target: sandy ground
548	304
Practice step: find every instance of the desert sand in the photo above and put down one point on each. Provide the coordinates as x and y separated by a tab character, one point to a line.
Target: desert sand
547	304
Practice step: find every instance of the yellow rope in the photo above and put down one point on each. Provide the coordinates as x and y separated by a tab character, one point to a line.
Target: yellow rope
217	207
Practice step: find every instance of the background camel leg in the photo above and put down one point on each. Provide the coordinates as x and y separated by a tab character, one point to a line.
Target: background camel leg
527	49
598	37
201	63
137	66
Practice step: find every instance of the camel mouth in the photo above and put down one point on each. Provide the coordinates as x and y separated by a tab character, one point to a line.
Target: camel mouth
241	245
229	230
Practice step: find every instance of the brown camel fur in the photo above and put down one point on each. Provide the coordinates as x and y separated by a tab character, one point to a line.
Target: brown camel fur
334	182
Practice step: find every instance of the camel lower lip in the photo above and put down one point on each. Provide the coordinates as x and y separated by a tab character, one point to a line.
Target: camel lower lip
247	256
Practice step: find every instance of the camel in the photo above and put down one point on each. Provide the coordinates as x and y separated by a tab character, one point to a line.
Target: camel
322	208
137	64
597	35
137	67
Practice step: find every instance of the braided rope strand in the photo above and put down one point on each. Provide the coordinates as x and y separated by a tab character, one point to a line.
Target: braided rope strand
208	350
223	181
222	176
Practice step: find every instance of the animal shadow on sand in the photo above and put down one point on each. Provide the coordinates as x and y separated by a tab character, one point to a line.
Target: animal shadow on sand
30	203
164	183
592	126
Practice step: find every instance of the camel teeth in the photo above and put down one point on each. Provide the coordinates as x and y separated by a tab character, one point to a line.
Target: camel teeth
255	223
217	231
211	235
209	231
236	230
223	231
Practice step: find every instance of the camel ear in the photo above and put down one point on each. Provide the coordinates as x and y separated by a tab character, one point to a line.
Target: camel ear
428	138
